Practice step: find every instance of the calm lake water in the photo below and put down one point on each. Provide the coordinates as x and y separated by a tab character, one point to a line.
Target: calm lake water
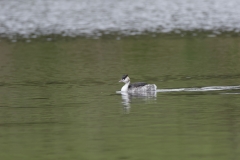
58	99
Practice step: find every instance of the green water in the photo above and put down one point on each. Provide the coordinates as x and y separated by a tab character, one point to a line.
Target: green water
58	99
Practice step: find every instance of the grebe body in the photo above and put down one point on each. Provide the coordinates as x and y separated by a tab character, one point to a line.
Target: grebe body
136	87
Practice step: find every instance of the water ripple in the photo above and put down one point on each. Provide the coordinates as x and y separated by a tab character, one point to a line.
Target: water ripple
202	89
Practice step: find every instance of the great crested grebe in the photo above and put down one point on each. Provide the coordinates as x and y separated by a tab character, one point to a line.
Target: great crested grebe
136	87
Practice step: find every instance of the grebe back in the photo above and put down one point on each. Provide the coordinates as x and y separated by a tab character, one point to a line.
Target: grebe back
136	87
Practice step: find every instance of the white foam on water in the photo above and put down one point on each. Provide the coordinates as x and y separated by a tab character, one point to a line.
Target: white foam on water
202	89
92	18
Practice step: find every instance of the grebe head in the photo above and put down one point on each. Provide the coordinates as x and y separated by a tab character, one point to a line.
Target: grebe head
125	79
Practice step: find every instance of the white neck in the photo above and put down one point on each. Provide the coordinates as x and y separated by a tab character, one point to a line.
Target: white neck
125	87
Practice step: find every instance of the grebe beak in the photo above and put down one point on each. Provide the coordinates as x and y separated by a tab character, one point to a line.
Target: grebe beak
120	80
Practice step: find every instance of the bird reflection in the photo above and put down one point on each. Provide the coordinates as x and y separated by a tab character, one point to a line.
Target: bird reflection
128	98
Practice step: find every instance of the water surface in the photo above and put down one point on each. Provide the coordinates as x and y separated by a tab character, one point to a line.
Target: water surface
58	99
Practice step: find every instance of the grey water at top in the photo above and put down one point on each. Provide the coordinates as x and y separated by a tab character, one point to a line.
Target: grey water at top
30	19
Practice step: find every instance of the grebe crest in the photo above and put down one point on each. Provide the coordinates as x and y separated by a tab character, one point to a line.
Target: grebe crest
136	87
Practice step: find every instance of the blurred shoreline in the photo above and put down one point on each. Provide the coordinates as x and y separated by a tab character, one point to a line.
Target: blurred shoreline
119	37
